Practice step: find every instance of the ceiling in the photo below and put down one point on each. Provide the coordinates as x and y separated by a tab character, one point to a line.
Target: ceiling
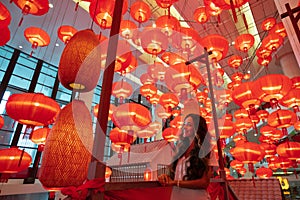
63	13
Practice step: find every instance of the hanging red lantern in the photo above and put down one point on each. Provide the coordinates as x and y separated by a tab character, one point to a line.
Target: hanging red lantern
154	99
279	29
241	113
243	125
268	23
243	96
61	167
121	90
282	119
263	172
13	160
235	164
148	91
154	41
5	16
168	101
34	7
262	114
282	163
167	24
147	79
244	42
213	9
201	15
271	88
237	77
112	108
1	121
272	42
290	150
268	131
201	97
102	12
270	149
131	117
292	99
186	39
177	122
182	79
40	135
227	129
165	3
217	45
120	149
157	71
161	112
37	37
127	28
262	52
65	33
5	35
80	53
264	61
145	133
32	109
121	138
140	11
296	82
171	134
172	58
239	139
235	61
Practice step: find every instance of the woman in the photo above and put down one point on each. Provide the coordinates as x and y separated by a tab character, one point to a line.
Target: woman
190	173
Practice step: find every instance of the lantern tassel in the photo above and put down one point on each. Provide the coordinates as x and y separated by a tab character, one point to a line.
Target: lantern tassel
245	21
219	19
21	157
76	6
233	11
21	20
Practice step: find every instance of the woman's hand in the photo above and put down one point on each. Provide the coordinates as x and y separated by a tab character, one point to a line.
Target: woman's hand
165	180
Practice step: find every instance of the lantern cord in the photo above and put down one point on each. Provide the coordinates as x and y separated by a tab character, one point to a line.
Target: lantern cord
94	14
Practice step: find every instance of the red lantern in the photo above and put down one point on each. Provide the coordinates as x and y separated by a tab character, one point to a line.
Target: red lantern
290	150
239	139
40	135
13	160
186	39
165	3
157	71
1	121
264	61
65	33
268	131
268	24
154	99
235	164
32	109
272	42
108	172
279	29
241	113
282	119
270	149
262	52
167	24
102	12
227	128
80	53
243	124
177	122
235	61
61	167
212	8
296	82
244	42
37	37
5	35
217	45
131	117
148	90
161	112
201	15
201	97
112	108
154	41
140	11
121	90
127	28
121	138
263	172
183	79
237	77
147	79
5	16
172	58
262	114
243	96
292	99
34	7
168	101
171	134
145	133
271	88
147	174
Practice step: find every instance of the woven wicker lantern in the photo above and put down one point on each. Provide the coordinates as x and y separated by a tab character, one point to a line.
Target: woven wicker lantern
67	152
5	16
79	66
65	33
140	11
32	109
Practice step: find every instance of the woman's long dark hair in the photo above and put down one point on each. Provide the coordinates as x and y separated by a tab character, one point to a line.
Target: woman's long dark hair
198	165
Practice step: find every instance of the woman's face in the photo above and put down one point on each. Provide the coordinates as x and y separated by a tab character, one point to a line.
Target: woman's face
188	128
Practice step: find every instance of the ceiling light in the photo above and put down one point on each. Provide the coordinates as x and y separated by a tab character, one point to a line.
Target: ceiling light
21	47
57	45
50	5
